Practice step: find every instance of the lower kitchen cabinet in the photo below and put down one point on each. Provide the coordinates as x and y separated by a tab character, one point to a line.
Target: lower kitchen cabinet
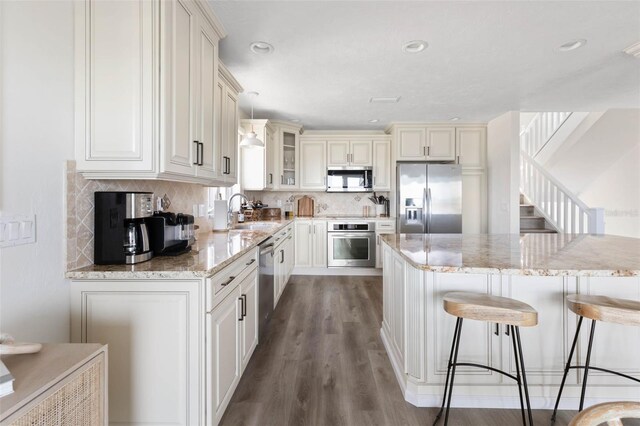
311	243
177	347
382	227
224	366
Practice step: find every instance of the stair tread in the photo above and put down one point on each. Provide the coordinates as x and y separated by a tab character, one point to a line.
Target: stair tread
537	231
531	217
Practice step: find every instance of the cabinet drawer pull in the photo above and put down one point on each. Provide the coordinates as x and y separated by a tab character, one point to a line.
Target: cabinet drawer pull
244	305
228	282
241	308
250	262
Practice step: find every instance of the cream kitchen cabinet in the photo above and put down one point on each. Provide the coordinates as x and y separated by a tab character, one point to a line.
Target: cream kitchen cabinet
257	163
382	165
356	153
286	165
471	147
425	143
229	119
393	304
179	347
383	227
311	243
283	255
156	77
313	167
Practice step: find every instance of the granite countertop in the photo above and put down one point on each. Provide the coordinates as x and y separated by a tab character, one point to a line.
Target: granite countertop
530	254
211	253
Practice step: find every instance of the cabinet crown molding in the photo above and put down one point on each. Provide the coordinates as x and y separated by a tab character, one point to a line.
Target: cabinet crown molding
416	124
216	23
229	78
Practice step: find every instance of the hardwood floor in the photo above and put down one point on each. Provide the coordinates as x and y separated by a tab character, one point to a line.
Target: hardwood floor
323	363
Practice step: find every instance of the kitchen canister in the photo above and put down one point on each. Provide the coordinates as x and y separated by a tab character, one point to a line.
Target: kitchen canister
380	210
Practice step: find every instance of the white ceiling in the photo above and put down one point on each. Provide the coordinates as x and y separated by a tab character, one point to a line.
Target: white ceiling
484	58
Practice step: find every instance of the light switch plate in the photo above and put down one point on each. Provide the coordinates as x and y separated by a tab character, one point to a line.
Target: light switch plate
17	230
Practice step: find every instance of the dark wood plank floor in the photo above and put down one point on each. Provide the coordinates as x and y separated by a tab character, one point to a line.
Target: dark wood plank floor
323	363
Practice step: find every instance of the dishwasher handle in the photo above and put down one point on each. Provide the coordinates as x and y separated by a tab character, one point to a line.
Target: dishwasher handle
266	249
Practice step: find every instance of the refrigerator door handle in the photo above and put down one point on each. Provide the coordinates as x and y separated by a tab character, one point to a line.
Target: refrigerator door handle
429	211
424	211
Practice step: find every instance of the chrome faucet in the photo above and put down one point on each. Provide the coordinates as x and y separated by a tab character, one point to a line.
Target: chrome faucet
230	212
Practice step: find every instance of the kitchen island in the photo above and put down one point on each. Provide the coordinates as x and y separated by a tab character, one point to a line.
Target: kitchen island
538	269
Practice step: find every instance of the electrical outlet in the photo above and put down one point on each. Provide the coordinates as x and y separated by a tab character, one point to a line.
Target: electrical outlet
17	230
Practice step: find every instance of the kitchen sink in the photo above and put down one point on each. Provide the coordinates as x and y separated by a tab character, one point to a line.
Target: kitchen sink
255	226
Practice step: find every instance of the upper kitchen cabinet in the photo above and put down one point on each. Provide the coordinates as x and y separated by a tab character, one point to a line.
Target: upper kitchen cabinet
313	170
229	117
286	155
382	165
256	163
146	91
356	153
471	147
416	142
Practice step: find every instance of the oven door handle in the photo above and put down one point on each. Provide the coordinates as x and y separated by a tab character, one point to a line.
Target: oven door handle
367	234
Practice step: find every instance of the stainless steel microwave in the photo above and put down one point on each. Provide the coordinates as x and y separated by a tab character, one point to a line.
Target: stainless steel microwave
350	179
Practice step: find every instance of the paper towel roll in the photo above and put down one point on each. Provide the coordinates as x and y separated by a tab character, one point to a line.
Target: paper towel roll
219	222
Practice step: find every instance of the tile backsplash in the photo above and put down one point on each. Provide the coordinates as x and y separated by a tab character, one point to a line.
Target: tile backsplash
326	203
80	212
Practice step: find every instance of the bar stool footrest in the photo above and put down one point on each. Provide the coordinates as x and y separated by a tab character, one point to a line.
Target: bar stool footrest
604	370
504	373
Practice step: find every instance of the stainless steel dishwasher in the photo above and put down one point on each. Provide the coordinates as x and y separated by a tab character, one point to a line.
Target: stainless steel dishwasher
265	287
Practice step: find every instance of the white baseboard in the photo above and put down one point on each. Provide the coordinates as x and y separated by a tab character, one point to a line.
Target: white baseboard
337	271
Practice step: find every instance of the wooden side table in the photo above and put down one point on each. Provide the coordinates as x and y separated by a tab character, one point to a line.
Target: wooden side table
63	384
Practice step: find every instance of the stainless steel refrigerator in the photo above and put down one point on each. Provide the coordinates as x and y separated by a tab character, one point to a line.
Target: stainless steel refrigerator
429	198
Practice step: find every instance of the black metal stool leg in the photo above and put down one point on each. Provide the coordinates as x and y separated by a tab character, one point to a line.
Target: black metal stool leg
519	381
567	368
453	373
586	365
446	382
524	375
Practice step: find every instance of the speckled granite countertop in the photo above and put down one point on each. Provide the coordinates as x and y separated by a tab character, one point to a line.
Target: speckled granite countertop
531	254
211	253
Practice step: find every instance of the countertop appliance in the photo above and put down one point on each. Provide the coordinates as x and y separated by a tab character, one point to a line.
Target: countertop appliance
429	198
171	234
350	179
265	286
120	227
351	243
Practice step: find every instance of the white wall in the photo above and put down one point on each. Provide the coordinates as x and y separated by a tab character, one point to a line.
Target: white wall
503	173
600	167
37	136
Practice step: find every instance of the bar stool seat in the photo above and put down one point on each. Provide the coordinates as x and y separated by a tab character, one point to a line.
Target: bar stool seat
605	309
484	307
494	309
596	308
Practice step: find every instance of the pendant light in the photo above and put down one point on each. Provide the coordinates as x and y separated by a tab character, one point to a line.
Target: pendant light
251	140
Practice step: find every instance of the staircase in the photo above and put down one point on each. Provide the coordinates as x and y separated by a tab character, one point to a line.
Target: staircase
547	206
531	222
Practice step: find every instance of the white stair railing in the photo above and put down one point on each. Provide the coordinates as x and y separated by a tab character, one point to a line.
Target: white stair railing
556	203
543	126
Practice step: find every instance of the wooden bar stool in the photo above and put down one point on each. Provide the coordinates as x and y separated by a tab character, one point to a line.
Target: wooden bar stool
502	310
596	308
610	413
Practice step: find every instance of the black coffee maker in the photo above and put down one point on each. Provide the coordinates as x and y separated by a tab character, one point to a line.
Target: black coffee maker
120	229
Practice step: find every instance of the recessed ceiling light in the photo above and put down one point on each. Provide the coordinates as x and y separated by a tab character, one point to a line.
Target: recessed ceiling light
375	120
454	119
414	46
572	45
253	93
261	47
385	100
